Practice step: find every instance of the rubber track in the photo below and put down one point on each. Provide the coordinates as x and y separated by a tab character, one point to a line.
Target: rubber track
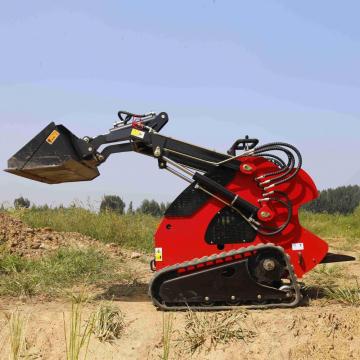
293	278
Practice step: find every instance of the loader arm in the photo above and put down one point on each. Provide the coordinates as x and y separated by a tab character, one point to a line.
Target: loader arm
77	159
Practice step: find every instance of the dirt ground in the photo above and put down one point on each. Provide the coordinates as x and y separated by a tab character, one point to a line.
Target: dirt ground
321	330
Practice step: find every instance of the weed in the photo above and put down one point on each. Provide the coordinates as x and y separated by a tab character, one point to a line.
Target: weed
345	295
79	297
325	276
78	334
210	329
167	334
17	328
109	323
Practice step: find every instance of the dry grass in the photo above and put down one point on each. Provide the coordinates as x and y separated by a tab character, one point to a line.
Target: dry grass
168	322
205	331
109	323
17	329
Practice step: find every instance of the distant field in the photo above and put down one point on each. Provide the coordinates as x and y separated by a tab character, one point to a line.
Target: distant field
136	231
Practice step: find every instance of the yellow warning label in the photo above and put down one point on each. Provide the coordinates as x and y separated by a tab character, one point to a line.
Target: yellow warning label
158	254
137	133
52	137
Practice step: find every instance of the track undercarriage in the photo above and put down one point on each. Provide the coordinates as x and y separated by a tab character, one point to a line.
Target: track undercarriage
251	277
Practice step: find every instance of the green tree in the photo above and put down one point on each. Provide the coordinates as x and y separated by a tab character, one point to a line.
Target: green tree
150	207
112	203
21	203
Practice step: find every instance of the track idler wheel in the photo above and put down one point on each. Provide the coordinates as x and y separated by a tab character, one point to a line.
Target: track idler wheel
267	268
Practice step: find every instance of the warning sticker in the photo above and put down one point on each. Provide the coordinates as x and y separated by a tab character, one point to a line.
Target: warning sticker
52	137
298	247
138	133
158	254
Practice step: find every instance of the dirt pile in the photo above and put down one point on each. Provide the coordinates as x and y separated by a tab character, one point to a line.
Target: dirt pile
25	241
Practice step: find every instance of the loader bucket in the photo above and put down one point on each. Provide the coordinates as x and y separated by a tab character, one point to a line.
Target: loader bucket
52	157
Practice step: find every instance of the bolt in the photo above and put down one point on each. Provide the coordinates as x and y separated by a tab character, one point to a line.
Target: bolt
207	299
247	167
259	297
233	298
269	264
265	214
157	151
90	149
163	116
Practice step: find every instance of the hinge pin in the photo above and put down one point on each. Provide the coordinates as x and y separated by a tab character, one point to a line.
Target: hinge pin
157	151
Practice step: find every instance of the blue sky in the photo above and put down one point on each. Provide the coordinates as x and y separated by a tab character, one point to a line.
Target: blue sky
276	70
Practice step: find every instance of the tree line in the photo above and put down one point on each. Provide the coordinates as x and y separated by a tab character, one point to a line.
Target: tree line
113	203
342	200
116	204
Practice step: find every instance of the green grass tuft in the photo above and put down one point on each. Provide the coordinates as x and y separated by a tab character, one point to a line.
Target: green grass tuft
349	295
77	333
52	274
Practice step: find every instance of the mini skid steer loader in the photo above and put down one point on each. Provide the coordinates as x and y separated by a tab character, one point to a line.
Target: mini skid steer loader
231	238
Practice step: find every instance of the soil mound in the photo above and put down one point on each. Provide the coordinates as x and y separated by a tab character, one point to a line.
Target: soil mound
18	238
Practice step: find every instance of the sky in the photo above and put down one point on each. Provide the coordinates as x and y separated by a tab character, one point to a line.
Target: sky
273	69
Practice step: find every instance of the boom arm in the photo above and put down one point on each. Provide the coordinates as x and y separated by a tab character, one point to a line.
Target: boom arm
142	137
